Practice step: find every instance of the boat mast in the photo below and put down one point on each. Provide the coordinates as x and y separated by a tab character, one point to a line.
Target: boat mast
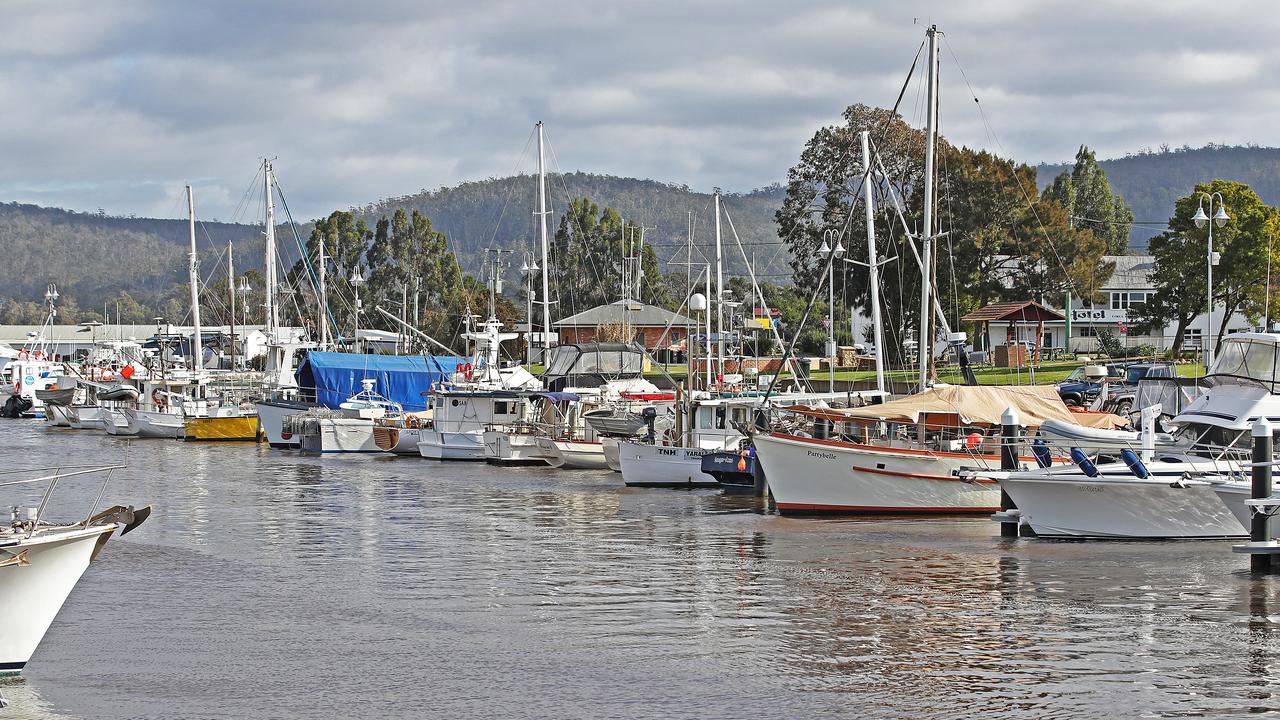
324	298
546	267
872	265
193	270
926	237
719	296
273	320
231	290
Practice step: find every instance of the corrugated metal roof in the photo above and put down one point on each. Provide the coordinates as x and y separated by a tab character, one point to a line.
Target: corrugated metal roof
1013	311
629	312
19	335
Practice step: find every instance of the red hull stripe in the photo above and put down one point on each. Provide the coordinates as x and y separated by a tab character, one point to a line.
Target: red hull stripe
817	508
919	476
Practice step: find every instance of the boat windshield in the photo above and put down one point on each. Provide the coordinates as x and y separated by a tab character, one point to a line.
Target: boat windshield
1248	360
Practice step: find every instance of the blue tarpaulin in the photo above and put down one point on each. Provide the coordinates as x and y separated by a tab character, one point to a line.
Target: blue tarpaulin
402	378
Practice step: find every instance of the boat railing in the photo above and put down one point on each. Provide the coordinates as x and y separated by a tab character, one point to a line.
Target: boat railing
57	475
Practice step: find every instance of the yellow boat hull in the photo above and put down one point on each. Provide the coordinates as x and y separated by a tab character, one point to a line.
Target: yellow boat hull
222	428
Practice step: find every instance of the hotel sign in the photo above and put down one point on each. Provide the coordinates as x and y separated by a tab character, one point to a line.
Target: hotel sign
1100	315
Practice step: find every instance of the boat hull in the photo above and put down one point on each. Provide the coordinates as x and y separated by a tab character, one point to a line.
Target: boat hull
242	428
611	453
436	445
115	422
808	476
57	416
660	466
572	455
154	424
31	594
338	435
86	417
396	440
1115	507
271	415
502	448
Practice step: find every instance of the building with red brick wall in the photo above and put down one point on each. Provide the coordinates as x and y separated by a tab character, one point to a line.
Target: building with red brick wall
651	326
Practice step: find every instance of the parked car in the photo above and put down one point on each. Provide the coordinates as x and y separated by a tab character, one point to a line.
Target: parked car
1078	390
1120	396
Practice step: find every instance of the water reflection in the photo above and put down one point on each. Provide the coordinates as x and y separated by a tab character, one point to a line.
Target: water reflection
411	588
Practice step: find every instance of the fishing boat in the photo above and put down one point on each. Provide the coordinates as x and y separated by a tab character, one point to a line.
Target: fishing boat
41	561
1190	487
34	369
223	423
479	395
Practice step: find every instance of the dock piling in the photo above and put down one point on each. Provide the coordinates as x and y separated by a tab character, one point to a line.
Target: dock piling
1009	437
1260	519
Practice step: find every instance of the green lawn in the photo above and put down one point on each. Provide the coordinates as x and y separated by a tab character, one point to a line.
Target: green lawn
1049	373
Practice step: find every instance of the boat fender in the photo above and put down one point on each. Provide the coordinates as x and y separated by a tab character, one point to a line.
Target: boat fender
973	440
1040	449
1136	467
1086	465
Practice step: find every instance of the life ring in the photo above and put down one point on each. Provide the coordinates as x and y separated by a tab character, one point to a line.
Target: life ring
157	398
23	355
466	370
39	355
107	374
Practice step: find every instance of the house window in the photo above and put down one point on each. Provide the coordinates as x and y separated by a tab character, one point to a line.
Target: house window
1125	300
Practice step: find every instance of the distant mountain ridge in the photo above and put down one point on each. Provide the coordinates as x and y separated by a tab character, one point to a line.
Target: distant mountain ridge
94	256
1151	180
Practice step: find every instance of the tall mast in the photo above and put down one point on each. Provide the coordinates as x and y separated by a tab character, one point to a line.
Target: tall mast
273	320
546	267
872	264
231	290
324	298
926	237
719	297
193	271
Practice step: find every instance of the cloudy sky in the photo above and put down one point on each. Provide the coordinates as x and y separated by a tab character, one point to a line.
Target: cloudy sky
116	105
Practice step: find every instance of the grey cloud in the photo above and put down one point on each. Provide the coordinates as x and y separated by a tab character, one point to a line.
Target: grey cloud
117	105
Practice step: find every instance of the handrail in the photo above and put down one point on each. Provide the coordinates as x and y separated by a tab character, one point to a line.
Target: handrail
58	475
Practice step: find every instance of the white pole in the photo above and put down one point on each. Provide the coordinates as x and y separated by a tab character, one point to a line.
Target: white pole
1208	349
546	266
718	298
831	324
324	297
197	351
708	314
926	238
231	287
269	252
872	265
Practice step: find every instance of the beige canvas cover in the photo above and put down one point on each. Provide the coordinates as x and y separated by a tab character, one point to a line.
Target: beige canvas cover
973	405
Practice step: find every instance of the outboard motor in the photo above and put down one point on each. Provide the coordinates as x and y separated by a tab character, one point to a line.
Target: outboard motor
650	415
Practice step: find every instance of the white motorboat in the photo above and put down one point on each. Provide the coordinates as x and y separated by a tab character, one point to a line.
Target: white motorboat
611	453
905	455
157	423
674	459
1168	498
117	422
513	444
573	454
40	562
86	417
349	429
1195	488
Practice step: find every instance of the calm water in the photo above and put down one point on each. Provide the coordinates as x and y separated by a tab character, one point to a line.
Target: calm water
273	585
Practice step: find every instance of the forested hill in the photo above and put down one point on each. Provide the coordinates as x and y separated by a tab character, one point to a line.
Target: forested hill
500	212
1150	181
93	257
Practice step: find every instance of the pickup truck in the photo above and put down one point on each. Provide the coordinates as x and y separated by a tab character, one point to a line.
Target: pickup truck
1076	390
1120	395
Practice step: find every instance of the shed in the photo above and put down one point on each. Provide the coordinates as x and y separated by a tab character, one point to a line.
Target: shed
1012	315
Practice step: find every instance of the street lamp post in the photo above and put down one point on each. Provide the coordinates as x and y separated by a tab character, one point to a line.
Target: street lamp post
1220	218
356	281
529	268
824	252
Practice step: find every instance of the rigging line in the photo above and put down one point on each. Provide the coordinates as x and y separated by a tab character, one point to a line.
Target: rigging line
1030	205
497	225
789	350
306	261
243	205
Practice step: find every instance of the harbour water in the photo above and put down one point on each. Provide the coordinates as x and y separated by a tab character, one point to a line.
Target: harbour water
269	584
